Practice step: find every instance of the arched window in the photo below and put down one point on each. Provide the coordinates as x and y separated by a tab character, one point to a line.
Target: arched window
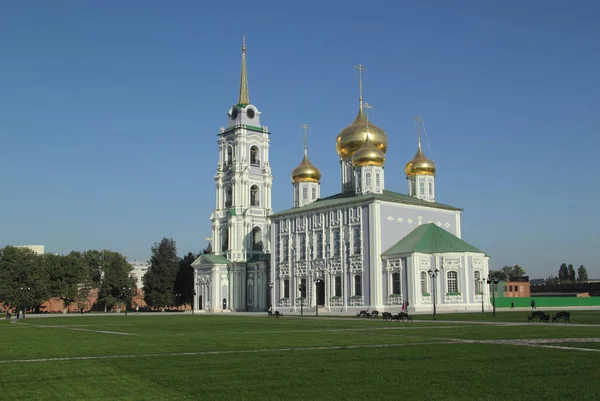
338	286
304	193
396	283
229	160
303	288
254	159
452	284
421	188
254	196
430	188
286	288
225	239
424	283
250	293
314	193
228	196
413	188
377	180
356	243
477	277
319	237
358	285
368	180
257	243
336	243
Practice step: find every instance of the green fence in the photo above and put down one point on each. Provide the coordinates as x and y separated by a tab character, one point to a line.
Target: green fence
541	302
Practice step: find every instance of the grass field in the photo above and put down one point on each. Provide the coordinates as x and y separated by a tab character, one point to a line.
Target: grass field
225	357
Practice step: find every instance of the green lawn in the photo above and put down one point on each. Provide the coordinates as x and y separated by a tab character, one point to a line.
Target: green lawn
225	357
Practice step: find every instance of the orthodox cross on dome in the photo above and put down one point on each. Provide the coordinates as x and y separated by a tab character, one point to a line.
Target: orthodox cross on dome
305	128
418	120
244	98
367	106
360	85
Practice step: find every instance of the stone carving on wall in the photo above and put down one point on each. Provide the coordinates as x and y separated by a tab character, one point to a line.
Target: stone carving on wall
334	219
355	215
409	221
394	299
356	265
300	269
317	221
399	220
284	226
335	266
447	225
204	279
284	270
451	263
425	263
392	265
477	263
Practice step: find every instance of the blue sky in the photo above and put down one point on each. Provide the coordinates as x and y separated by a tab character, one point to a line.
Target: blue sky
109	112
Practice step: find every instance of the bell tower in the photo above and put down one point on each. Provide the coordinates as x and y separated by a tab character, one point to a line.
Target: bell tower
240	221
420	172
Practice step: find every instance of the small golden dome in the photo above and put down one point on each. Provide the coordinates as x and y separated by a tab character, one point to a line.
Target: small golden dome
306	171
351	138
419	165
368	155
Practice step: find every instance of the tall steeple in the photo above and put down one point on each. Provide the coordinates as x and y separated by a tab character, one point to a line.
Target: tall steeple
244	99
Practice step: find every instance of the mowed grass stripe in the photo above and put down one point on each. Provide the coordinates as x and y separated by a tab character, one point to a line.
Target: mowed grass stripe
222	352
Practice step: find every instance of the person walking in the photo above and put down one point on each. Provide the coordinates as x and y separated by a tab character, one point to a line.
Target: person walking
512	304
533	304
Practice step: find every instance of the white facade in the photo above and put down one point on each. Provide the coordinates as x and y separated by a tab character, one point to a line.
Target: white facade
39	249
140	268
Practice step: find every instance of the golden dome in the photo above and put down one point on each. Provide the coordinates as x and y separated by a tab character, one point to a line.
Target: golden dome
351	138
306	171
419	165
368	155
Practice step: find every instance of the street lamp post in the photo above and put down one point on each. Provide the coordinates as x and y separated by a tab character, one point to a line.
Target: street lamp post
493	282
198	292
271	296
125	294
24	302
433	275
317	281
302	287
481	281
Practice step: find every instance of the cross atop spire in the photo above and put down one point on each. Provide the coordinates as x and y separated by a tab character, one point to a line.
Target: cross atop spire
244	98
418	120
360	85
367	106
305	128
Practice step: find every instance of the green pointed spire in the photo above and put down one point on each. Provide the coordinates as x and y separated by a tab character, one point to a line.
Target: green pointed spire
244	99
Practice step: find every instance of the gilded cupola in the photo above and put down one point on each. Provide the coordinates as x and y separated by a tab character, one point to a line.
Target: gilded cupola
306	171
419	165
352	138
368	155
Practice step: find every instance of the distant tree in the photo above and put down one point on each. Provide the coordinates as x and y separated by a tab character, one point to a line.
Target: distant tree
512	272
67	274
116	278
23	281
159	280
184	282
582	274
551	280
563	272
571	273
499	275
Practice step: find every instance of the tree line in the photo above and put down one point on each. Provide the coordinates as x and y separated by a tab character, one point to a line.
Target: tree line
27	279
566	274
507	273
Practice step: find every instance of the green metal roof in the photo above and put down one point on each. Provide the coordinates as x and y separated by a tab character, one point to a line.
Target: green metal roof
350	197
429	238
211	259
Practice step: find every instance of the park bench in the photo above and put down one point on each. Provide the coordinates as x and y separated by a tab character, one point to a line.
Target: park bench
387	316
540	315
566	316
374	314
276	314
402	316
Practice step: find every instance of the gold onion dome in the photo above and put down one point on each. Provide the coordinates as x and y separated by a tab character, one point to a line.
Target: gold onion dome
351	138
368	155
306	171
419	165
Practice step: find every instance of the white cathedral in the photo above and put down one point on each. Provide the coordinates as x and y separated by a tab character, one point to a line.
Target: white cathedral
363	248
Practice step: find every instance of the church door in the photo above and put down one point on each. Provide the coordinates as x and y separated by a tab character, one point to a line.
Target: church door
321	293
